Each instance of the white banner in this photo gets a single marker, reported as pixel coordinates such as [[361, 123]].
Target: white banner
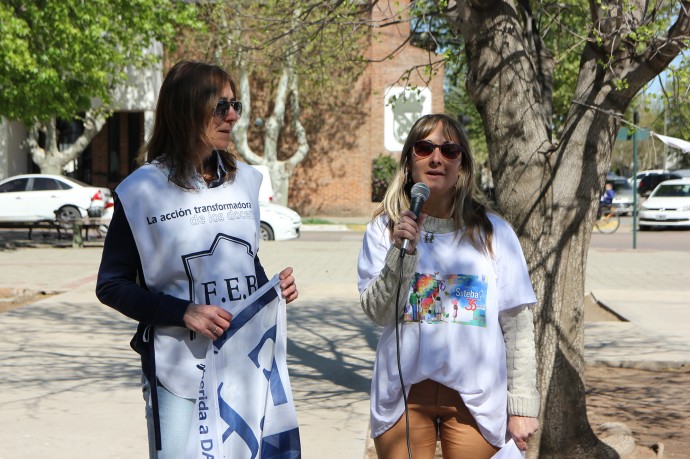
[[509, 451], [682, 145], [244, 408]]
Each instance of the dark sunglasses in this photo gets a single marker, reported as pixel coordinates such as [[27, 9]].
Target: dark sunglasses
[[223, 108], [424, 149]]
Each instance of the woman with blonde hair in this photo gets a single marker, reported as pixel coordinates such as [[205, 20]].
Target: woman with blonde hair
[[469, 377]]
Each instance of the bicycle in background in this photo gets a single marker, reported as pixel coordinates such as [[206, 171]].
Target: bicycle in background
[[608, 220]]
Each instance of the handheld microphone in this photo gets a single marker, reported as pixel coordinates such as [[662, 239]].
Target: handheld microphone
[[419, 194]]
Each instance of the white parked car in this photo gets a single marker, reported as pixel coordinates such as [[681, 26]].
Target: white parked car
[[668, 205], [266, 189], [278, 222], [33, 197]]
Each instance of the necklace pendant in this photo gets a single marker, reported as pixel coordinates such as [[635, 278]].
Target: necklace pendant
[[429, 238]]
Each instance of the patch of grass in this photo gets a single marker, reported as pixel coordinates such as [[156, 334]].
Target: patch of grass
[[316, 221]]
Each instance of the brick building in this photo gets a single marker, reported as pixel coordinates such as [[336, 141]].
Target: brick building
[[336, 178]]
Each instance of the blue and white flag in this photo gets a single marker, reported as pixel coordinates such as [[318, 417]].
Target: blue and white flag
[[244, 407]]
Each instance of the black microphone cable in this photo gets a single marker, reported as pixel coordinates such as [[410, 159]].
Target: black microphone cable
[[397, 348], [418, 195]]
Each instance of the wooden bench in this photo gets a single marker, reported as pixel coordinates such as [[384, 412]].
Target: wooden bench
[[45, 224], [62, 226]]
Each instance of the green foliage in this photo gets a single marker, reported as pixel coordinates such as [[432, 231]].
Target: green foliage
[[316, 221], [669, 109], [675, 94], [565, 29], [382, 171], [57, 55], [458, 103]]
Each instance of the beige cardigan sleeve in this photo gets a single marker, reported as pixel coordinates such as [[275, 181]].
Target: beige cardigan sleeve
[[378, 299], [517, 325]]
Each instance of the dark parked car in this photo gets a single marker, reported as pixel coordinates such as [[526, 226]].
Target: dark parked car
[[646, 184]]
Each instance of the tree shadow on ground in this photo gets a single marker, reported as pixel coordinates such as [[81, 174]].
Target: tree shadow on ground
[[331, 349], [55, 347], [52, 347]]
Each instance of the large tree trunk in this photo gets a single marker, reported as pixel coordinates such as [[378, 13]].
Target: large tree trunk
[[549, 188]]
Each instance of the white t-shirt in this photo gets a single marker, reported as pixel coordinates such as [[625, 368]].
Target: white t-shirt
[[450, 331], [198, 245]]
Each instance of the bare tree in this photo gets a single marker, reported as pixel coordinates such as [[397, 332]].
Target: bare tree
[[278, 50], [288, 85], [280, 170]]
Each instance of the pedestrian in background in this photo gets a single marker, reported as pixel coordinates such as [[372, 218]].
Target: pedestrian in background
[[470, 376], [606, 199], [183, 240]]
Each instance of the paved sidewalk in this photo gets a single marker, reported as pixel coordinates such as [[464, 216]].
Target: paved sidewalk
[[651, 291], [69, 382]]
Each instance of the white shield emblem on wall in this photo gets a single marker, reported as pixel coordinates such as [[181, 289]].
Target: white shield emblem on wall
[[402, 107]]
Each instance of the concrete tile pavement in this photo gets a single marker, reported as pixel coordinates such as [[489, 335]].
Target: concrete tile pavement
[[650, 289], [69, 382], [330, 344]]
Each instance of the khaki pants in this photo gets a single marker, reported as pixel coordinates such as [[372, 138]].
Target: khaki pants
[[433, 406]]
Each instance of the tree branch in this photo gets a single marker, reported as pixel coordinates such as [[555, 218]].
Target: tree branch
[[276, 121], [31, 143], [300, 132], [242, 125], [662, 52], [638, 68], [93, 123]]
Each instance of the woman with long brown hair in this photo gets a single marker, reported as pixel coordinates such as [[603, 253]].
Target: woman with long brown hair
[[182, 242]]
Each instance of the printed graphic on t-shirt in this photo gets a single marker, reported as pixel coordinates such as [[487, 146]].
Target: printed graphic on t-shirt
[[451, 299]]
